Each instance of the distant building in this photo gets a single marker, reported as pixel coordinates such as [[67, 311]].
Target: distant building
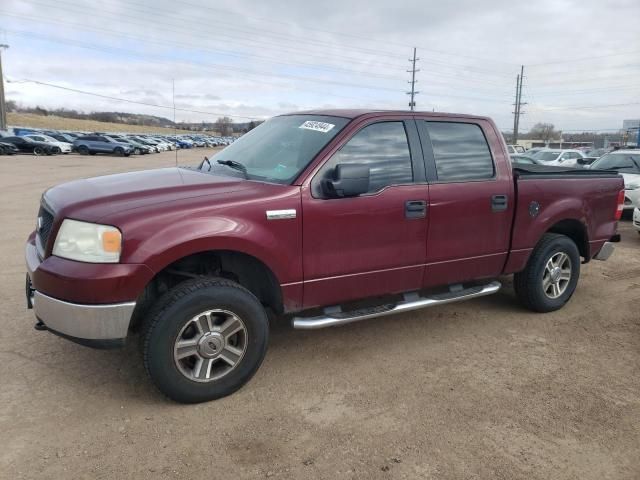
[[627, 124]]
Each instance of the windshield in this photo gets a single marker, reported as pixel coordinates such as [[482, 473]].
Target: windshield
[[624, 162], [280, 148], [546, 156]]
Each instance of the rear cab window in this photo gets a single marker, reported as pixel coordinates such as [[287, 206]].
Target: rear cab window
[[460, 151]]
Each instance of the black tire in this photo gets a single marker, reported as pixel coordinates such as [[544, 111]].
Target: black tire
[[175, 310], [528, 284], [136, 151], [83, 150], [38, 151], [56, 150], [119, 151]]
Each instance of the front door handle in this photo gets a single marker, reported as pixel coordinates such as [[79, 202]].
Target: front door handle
[[415, 209], [499, 203]]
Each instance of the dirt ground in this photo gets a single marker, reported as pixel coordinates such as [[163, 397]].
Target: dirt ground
[[475, 390]]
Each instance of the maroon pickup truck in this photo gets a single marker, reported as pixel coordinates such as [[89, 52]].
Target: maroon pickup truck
[[327, 217]]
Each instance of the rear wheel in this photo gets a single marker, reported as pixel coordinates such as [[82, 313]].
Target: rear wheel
[[551, 275], [204, 340]]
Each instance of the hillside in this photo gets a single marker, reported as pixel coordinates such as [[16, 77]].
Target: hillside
[[59, 123]]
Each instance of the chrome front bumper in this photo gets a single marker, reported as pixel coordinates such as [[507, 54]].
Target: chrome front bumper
[[100, 326]]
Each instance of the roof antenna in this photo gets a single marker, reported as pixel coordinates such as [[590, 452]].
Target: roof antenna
[[175, 127]]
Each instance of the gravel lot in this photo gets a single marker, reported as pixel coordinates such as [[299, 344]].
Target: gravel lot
[[482, 389]]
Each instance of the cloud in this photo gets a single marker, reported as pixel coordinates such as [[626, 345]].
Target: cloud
[[257, 59]]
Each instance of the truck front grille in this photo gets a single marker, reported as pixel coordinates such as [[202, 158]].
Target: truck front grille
[[44, 226]]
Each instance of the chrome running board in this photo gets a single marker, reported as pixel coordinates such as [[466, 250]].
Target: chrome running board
[[334, 316]]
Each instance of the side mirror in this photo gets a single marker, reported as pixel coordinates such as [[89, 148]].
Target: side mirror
[[349, 180]]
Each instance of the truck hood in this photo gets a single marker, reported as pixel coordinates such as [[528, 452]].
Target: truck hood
[[94, 198]]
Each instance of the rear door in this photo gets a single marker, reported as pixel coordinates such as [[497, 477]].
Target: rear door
[[471, 200], [373, 244]]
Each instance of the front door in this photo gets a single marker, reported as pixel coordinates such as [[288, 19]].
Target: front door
[[373, 244]]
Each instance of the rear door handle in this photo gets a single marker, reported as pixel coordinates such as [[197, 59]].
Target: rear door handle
[[415, 209], [499, 203]]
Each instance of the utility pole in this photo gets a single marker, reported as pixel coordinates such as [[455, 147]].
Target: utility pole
[[514, 140], [518, 105], [3, 103], [413, 81]]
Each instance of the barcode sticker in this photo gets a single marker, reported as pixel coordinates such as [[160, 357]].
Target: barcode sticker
[[317, 126]]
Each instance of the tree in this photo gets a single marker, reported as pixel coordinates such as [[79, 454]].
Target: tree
[[545, 132], [223, 126]]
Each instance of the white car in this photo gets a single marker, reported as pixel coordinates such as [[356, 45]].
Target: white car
[[627, 163], [562, 158], [65, 147], [636, 219], [515, 149], [163, 144]]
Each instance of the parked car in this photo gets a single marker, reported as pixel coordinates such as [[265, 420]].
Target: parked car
[[8, 148], [303, 217], [523, 160], [515, 149], [137, 148], [58, 146], [627, 162], [533, 150], [180, 143], [636, 219], [62, 137], [92, 144], [27, 145], [153, 148], [564, 158], [591, 155]]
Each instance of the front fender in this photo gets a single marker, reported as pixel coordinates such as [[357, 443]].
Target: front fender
[[276, 244]]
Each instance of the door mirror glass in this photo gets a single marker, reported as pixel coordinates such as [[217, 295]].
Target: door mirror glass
[[348, 180]]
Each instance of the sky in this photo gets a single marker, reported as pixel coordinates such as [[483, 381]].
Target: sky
[[253, 59]]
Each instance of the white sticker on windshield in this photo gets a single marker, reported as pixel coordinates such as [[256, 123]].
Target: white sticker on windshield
[[317, 126]]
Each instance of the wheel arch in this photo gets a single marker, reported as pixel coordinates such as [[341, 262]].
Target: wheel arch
[[576, 230], [244, 268]]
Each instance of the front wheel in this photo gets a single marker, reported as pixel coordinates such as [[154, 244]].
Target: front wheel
[[204, 340], [551, 275], [119, 151]]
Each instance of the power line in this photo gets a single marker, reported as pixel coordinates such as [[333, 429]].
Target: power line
[[148, 104], [369, 39], [585, 107], [218, 67], [582, 59]]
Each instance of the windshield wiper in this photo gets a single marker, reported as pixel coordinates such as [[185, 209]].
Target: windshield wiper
[[235, 165], [205, 160]]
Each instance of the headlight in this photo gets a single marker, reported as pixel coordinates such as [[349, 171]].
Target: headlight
[[88, 242]]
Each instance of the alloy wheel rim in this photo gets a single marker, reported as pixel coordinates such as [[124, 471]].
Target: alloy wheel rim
[[210, 345], [557, 275]]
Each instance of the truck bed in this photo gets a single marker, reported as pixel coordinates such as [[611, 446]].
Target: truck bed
[[550, 171]]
